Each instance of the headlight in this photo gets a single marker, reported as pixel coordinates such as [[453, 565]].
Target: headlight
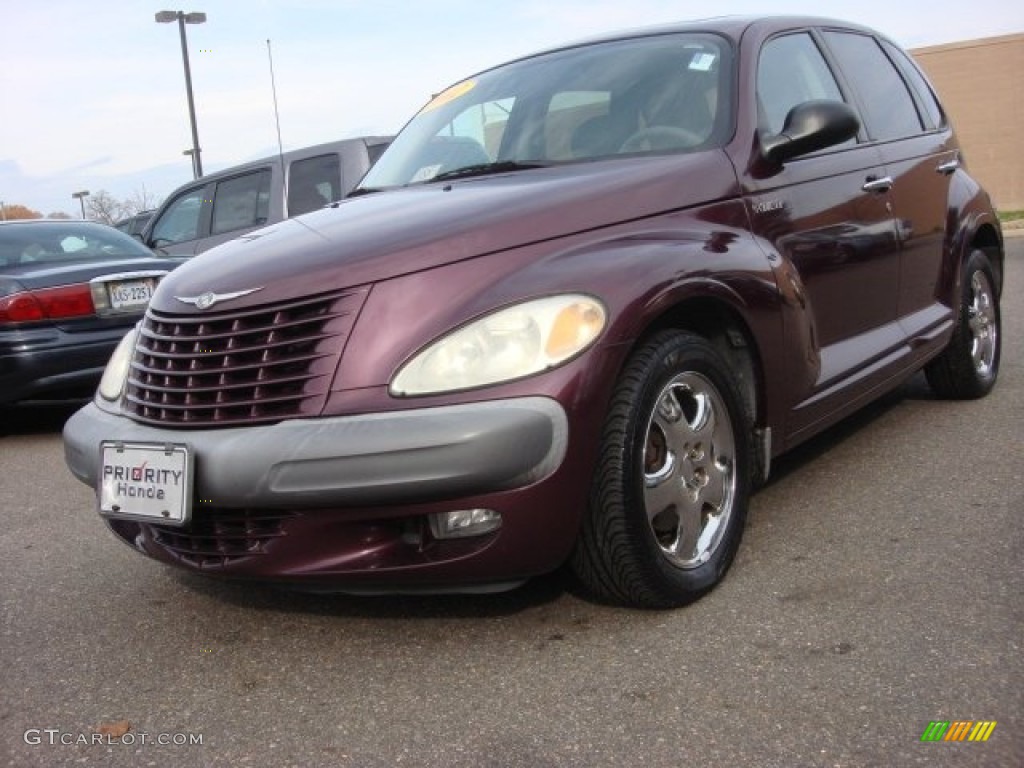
[[508, 344], [116, 372]]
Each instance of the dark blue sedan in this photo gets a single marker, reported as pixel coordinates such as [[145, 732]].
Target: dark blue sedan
[[69, 290]]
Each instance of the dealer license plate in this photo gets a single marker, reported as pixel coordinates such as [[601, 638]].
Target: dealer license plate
[[146, 481], [130, 294]]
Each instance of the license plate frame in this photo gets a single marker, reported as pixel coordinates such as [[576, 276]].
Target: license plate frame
[[141, 290], [146, 481]]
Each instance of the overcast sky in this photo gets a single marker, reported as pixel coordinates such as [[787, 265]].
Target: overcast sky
[[93, 93]]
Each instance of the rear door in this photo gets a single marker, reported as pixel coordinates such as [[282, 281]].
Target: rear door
[[240, 204], [920, 155]]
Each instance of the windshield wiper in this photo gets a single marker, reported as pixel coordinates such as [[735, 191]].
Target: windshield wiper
[[482, 169], [359, 192]]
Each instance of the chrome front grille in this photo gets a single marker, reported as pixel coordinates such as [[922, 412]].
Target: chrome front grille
[[259, 364]]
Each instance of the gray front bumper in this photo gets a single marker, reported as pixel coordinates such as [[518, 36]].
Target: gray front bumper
[[370, 459]]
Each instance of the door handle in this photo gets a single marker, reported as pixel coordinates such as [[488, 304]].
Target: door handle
[[874, 184], [949, 166]]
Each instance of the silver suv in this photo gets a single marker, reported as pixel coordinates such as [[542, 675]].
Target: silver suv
[[221, 206]]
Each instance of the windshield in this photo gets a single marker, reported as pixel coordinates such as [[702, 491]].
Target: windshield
[[664, 93]]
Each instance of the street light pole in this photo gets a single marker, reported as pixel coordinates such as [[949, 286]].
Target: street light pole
[[165, 17], [80, 196], [191, 155]]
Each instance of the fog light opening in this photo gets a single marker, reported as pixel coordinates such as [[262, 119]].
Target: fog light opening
[[461, 523]]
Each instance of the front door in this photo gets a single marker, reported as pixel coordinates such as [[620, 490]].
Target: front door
[[828, 215]]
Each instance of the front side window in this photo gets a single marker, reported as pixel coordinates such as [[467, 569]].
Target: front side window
[[889, 111], [180, 220], [791, 70], [665, 93], [241, 202]]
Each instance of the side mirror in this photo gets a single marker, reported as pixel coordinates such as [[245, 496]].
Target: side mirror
[[811, 126]]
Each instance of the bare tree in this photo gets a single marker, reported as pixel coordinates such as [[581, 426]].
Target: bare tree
[[102, 206], [140, 200]]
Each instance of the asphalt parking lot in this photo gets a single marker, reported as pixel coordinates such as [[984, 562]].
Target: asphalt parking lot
[[879, 588]]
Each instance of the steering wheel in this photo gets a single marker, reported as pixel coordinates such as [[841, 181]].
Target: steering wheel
[[658, 137]]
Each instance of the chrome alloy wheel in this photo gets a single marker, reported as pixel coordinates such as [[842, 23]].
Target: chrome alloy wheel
[[689, 470], [984, 327]]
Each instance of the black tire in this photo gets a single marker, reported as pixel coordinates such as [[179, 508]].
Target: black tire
[[967, 368], [688, 461]]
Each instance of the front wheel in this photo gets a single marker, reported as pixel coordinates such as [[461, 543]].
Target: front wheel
[[669, 498], [968, 367]]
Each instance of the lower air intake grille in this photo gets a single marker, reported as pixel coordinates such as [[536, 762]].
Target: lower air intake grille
[[217, 537]]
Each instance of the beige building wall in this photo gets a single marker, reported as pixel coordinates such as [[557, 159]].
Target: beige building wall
[[981, 85]]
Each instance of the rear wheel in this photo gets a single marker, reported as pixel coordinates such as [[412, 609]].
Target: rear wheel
[[669, 499], [968, 367]]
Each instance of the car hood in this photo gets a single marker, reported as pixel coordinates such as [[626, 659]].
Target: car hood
[[387, 234]]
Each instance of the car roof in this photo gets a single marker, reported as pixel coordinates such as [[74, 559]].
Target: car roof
[[290, 155], [64, 222], [732, 27]]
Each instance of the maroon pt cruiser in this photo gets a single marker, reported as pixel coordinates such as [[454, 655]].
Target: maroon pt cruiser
[[571, 315]]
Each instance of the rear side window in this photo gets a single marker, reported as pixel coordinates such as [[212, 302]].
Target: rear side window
[[934, 117], [241, 202], [374, 151], [313, 183], [791, 71], [889, 111]]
